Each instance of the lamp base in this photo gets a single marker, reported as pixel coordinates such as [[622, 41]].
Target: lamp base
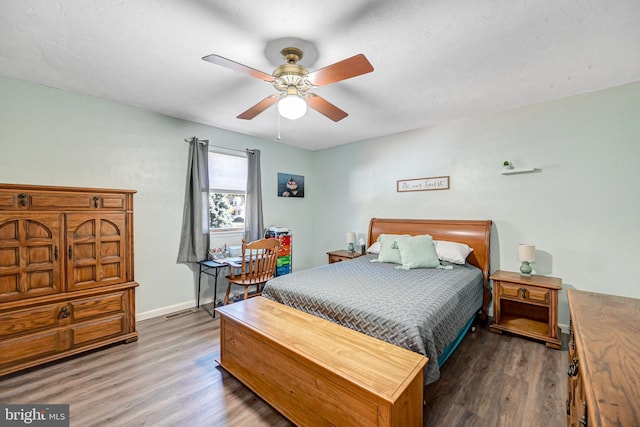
[[351, 248], [525, 268]]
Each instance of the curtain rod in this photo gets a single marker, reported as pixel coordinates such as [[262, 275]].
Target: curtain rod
[[204, 141]]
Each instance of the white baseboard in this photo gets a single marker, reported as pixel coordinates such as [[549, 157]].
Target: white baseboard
[[170, 309], [564, 328]]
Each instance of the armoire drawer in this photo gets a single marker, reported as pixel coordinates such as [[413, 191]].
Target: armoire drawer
[[27, 321], [43, 200], [33, 346], [89, 332], [100, 305]]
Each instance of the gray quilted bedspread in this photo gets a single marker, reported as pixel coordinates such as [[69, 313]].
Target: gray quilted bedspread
[[421, 310]]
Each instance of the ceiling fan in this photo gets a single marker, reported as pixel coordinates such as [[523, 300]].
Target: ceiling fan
[[294, 82]]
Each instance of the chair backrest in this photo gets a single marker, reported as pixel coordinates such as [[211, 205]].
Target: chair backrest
[[261, 258]]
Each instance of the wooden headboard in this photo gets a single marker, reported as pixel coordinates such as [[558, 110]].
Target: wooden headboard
[[474, 233]]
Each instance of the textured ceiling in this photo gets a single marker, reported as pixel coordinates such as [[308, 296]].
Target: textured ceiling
[[434, 60]]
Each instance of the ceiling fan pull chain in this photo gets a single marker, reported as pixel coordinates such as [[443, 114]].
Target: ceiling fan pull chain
[[278, 115]]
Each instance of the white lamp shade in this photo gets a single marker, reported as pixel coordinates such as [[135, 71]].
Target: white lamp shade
[[292, 107], [526, 253], [351, 237]]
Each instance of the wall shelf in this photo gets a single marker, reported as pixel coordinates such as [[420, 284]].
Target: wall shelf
[[517, 171]]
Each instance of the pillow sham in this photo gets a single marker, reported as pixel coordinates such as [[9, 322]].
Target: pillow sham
[[375, 248], [452, 252], [389, 251], [417, 252]]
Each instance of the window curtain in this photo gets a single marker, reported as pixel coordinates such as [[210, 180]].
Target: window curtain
[[253, 224], [194, 238]]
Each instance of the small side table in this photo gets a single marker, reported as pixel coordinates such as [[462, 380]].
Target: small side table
[[527, 306], [342, 255], [210, 268]]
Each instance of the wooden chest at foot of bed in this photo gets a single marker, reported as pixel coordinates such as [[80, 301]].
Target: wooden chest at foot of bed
[[316, 372]]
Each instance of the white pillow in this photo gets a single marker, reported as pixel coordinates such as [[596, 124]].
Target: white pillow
[[453, 252], [375, 248]]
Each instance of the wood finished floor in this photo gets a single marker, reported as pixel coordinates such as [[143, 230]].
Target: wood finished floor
[[170, 378]]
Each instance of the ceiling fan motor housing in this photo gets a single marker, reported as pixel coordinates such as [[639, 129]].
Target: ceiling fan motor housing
[[291, 74]]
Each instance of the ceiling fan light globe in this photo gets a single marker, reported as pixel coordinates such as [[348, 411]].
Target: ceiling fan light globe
[[292, 107]]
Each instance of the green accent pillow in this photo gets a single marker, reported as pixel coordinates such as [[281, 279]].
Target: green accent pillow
[[418, 252], [389, 251]]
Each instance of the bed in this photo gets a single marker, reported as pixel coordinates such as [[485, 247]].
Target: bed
[[427, 311]]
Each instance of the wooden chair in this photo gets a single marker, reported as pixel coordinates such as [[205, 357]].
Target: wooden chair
[[257, 266]]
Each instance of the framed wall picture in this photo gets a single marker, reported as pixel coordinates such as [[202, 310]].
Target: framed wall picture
[[290, 185]]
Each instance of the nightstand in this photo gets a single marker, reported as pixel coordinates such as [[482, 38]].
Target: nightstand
[[526, 305], [342, 255]]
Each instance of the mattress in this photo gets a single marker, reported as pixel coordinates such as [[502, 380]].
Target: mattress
[[421, 310]]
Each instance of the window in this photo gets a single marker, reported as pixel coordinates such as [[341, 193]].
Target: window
[[227, 191]]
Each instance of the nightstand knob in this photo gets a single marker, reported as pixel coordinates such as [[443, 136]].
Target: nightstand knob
[[524, 292]]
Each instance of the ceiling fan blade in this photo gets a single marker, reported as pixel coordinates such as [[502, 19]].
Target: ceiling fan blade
[[324, 107], [259, 107], [345, 69], [238, 68]]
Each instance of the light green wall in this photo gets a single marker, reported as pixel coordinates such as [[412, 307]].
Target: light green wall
[[52, 137], [582, 211]]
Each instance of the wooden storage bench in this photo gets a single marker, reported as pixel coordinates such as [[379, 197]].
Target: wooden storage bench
[[316, 372]]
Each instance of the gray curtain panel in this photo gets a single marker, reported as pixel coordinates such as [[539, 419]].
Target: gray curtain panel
[[253, 224], [194, 239]]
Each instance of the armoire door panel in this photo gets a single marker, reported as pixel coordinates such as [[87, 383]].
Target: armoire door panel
[[29, 255], [96, 250]]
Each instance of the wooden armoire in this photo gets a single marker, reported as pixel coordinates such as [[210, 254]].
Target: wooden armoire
[[66, 272]]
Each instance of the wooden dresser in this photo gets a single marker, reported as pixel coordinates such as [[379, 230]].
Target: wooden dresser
[[604, 360], [66, 272]]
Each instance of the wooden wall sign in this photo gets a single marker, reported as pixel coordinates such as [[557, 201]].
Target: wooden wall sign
[[423, 184]]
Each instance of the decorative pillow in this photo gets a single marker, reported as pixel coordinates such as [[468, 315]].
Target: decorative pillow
[[389, 251], [418, 252], [374, 249], [453, 252]]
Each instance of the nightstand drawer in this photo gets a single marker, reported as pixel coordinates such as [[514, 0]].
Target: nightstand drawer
[[525, 293], [334, 258], [341, 255]]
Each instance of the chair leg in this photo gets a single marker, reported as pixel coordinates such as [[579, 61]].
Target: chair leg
[[226, 295], [246, 292]]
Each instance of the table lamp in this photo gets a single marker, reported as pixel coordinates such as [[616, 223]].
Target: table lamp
[[351, 242], [526, 255]]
